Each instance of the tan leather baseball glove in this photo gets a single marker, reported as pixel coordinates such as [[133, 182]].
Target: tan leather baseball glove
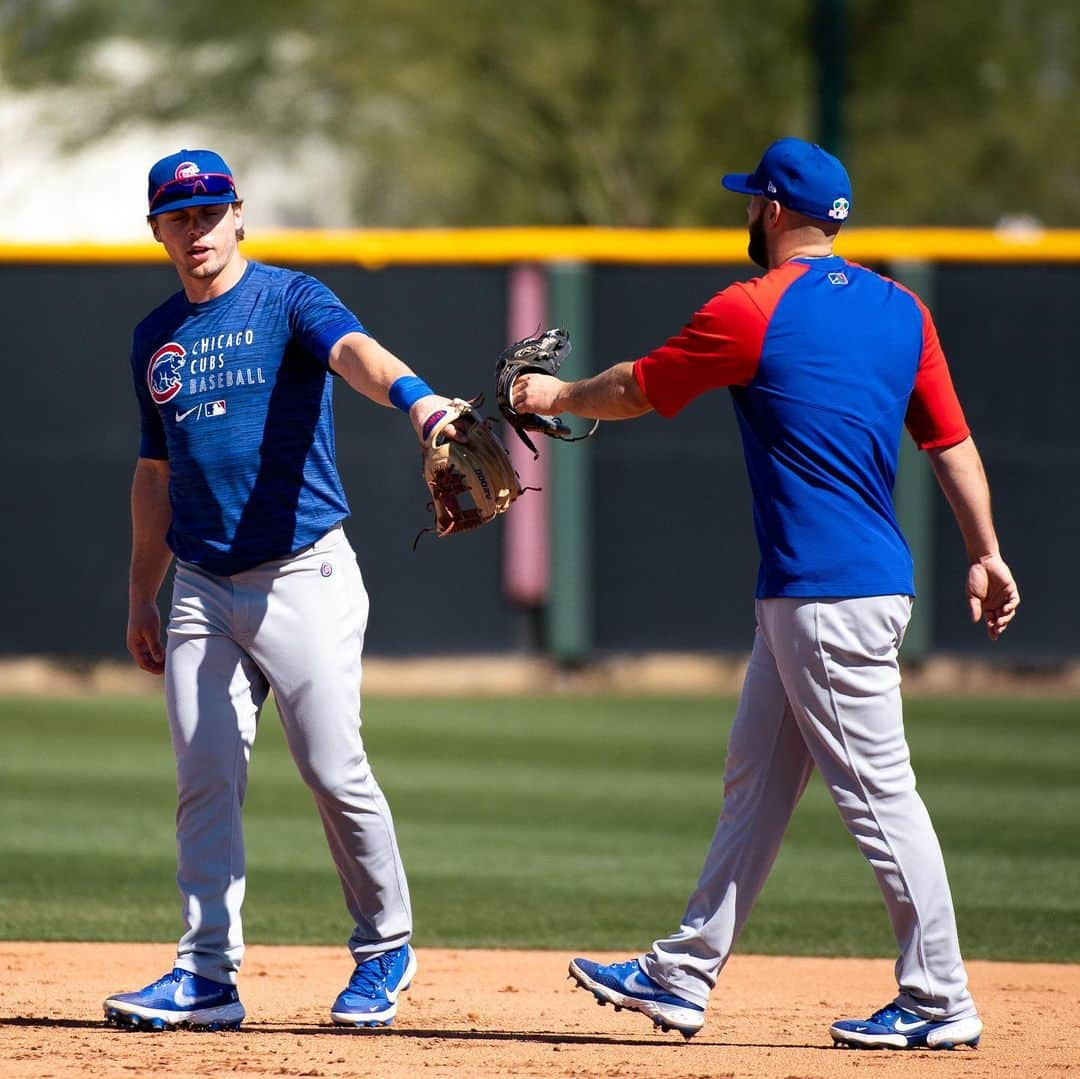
[[471, 482]]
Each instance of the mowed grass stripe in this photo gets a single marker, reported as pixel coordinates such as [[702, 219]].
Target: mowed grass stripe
[[558, 822]]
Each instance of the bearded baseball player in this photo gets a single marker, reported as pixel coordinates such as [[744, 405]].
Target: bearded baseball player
[[236, 477], [826, 362]]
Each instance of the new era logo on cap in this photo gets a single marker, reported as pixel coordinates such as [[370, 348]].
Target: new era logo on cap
[[800, 176]]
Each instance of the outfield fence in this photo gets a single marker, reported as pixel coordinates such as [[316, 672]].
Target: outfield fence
[[642, 537]]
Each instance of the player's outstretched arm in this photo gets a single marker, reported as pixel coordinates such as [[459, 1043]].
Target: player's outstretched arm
[[991, 591], [151, 515], [371, 369], [613, 394]]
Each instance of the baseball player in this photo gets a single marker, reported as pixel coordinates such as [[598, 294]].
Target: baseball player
[[826, 362], [236, 477]]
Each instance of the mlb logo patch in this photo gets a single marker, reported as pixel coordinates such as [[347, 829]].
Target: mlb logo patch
[[838, 278], [840, 209], [214, 408]]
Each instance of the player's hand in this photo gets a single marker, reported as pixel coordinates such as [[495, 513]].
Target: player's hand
[[534, 392], [426, 412], [144, 637], [992, 594]]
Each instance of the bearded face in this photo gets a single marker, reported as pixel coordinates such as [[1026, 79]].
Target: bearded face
[[757, 248]]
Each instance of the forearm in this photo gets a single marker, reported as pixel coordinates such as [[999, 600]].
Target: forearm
[[960, 474], [613, 394], [371, 370], [367, 367], [151, 516]]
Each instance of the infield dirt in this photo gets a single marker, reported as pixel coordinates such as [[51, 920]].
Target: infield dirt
[[501, 1013]]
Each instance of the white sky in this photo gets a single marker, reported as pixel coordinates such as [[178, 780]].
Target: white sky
[[99, 193]]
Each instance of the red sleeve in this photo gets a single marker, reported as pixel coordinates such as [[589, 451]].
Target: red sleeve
[[934, 418], [720, 346]]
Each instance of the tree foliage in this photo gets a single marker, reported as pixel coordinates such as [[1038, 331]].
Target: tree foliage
[[966, 112], [605, 112]]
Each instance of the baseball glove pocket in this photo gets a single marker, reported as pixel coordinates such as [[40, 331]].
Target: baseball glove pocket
[[543, 354], [471, 482]]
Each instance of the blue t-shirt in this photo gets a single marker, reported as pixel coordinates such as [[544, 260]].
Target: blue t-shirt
[[236, 394]]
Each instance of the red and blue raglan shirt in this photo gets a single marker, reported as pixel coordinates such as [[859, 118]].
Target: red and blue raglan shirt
[[826, 362]]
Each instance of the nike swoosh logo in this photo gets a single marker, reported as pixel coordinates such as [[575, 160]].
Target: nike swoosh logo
[[181, 416], [903, 1027], [639, 985], [184, 999], [406, 980]]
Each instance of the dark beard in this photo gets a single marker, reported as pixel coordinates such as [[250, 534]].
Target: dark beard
[[757, 249]]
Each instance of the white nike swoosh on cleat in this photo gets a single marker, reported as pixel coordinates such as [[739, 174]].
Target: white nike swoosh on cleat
[[637, 983], [406, 980], [903, 1027]]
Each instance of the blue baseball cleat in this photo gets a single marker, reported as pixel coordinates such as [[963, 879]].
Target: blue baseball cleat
[[370, 999], [179, 999], [626, 985], [896, 1028]]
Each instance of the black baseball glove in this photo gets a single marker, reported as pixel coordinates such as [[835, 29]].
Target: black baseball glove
[[543, 353]]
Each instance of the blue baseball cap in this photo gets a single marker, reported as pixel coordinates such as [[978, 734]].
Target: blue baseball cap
[[801, 176], [189, 178]]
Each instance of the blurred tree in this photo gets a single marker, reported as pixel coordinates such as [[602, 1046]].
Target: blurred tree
[[965, 113], [460, 112], [607, 112]]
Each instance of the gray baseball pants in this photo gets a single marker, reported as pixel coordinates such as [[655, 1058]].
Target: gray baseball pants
[[294, 626], [823, 688]]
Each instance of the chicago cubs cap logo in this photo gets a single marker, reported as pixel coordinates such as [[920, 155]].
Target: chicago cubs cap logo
[[163, 376], [186, 169], [840, 208]]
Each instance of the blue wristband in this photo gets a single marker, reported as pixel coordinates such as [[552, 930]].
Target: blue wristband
[[407, 390]]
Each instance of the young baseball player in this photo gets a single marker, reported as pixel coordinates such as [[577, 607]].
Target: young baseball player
[[826, 362], [236, 478]]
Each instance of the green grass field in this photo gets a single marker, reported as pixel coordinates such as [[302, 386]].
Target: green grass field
[[570, 823]]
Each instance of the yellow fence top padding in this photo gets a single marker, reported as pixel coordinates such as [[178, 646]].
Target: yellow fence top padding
[[375, 248]]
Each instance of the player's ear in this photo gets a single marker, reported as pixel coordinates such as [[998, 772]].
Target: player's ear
[[238, 217], [773, 212], [153, 223]]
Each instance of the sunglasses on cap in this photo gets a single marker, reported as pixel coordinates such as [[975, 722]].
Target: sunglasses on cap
[[201, 183]]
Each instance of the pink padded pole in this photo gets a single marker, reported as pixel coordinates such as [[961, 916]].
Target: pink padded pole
[[526, 560]]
